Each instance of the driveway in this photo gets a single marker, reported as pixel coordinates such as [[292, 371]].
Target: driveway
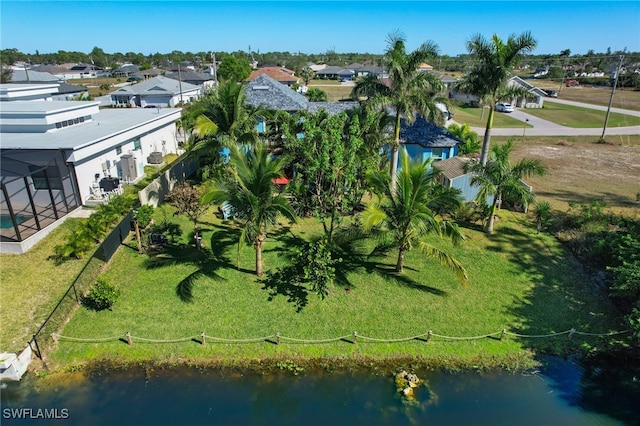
[[542, 127]]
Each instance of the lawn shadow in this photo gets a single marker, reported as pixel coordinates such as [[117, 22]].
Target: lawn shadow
[[285, 282], [207, 260]]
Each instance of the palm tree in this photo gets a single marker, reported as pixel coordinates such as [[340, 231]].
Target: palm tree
[[253, 196], [409, 90], [409, 211], [495, 61], [499, 178], [470, 141], [226, 119], [542, 214]]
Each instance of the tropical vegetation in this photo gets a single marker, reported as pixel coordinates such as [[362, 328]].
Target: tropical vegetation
[[410, 91], [501, 181], [494, 63]]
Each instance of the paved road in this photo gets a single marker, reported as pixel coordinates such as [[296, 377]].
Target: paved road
[[542, 127]]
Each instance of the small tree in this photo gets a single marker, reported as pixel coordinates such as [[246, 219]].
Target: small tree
[[316, 95], [542, 214], [101, 296], [186, 199], [471, 141]]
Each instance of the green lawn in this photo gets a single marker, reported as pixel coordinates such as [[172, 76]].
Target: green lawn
[[579, 117], [520, 281], [473, 116]]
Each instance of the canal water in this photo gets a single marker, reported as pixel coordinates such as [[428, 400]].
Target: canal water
[[560, 393]]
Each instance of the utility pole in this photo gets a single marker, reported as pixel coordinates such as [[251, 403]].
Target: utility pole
[[613, 91], [215, 69], [180, 85]]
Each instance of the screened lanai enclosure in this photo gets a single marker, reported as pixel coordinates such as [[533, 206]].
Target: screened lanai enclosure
[[38, 189]]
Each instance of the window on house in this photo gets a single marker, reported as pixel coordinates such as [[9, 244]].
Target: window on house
[[118, 150], [136, 145]]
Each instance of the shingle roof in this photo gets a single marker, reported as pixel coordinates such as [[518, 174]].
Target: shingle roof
[[190, 76], [156, 86], [332, 107], [20, 76], [277, 73], [266, 92], [426, 134], [453, 167], [334, 70]]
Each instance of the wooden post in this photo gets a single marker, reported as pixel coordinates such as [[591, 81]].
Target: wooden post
[[128, 338], [355, 336], [137, 229], [429, 334], [202, 338], [502, 334], [277, 338], [571, 332]]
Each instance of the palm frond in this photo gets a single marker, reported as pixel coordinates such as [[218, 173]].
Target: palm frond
[[446, 260]]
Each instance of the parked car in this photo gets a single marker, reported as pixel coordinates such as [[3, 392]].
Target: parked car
[[551, 93], [503, 107]]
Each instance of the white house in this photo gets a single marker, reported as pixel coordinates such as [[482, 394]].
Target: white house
[[156, 92], [55, 156]]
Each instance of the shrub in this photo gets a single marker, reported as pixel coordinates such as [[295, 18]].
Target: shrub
[[101, 296], [144, 215]]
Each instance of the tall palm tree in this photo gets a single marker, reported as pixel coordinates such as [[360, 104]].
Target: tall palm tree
[[409, 90], [499, 178], [226, 118], [494, 64], [409, 211], [253, 196]]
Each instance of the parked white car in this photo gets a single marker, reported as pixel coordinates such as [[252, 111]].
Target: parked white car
[[502, 107]]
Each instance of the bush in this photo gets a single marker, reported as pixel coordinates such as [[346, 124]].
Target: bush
[[101, 296], [144, 215]]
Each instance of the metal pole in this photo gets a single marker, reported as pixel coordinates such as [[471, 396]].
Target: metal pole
[[613, 91], [180, 85]]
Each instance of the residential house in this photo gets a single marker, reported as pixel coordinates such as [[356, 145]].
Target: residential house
[[57, 156], [156, 92], [335, 73], [269, 94], [202, 79], [279, 74], [537, 95], [424, 139], [31, 76], [126, 70], [84, 71]]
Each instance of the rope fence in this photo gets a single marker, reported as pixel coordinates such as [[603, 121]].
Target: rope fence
[[352, 338]]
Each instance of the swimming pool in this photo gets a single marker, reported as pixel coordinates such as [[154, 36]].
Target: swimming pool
[[6, 223]]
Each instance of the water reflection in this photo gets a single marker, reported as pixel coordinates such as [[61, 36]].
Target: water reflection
[[561, 393]]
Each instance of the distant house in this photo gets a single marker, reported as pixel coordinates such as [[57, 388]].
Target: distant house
[[84, 71], [55, 155], [536, 93], [280, 74], [202, 79], [156, 92], [335, 73], [126, 70]]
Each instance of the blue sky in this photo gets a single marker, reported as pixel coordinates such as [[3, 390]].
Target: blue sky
[[311, 26]]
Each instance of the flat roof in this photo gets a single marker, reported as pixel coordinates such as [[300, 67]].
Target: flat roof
[[41, 107], [106, 123]]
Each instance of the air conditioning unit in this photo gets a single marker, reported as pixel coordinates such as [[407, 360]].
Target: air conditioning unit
[[155, 158], [128, 166]]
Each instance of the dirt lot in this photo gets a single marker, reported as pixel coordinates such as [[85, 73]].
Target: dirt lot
[[580, 170]]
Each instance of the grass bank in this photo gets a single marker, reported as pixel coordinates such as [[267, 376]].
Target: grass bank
[[520, 281], [477, 117], [580, 117]]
